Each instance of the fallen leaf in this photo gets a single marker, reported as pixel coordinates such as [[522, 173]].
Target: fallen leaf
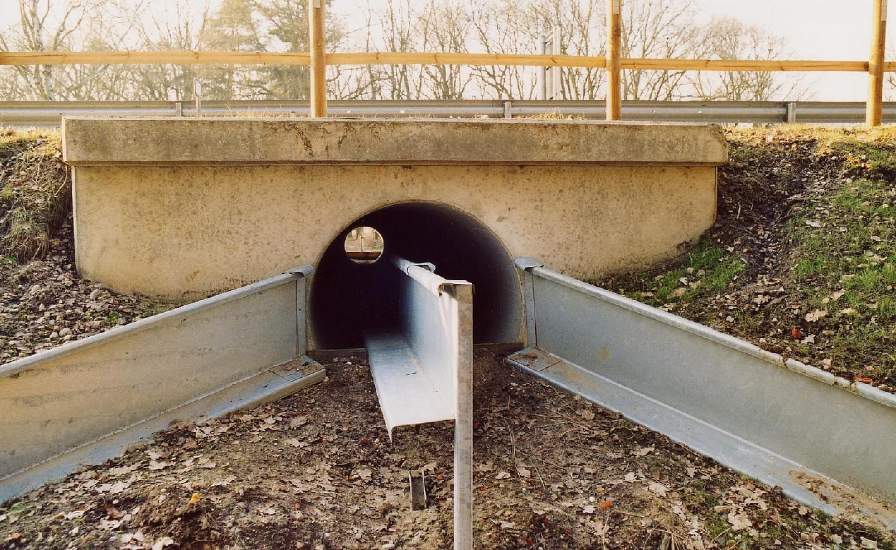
[[158, 465], [605, 504], [739, 521], [128, 538], [194, 499], [523, 472], [643, 451], [587, 414], [502, 475], [363, 474], [162, 543], [224, 481], [630, 477], [114, 488], [110, 524], [113, 513], [588, 509], [816, 315], [658, 489], [298, 421], [815, 224]]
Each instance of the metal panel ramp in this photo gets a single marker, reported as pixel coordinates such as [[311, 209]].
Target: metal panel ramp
[[85, 402], [825, 441], [423, 370]]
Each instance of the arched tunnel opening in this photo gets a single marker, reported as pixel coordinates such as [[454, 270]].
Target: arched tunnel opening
[[349, 298]]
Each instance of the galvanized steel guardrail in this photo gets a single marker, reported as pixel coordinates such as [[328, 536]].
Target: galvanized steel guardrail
[[825, 441], [85, 401], [49, 113]]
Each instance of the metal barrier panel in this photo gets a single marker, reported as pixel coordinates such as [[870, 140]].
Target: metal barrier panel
[[424, 372], [50, 113], [778, 420], [72, 396]]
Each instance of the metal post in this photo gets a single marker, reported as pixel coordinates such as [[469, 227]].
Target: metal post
[[556, 83], [614, 37], [463, 423], [317, 42], [542, 71], [874, 114], [197, 95], [508, 109], [791, 112]]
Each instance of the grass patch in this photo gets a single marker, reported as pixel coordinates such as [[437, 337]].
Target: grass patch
[[707, 269], [802, 258]]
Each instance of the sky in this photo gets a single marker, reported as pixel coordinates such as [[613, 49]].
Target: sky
[[813, 29]]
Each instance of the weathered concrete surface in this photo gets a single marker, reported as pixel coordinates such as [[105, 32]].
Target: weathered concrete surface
[[181, 207], [334, 141]]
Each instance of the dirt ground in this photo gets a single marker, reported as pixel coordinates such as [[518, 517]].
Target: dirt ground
[[317, 470], [45, 303]]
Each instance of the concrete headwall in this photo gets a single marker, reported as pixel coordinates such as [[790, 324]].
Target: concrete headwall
[[181, 207]]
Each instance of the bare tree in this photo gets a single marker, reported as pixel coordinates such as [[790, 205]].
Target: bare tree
[[444, 27], [399, 34], [728, 38], [37, 32], [651, 29], [505, 26], [182, 31], [657, 29]]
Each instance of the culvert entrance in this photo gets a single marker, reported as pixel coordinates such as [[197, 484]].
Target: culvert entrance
[[348, 297]]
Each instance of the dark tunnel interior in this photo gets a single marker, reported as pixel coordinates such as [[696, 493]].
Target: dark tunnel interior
[[347, 298]]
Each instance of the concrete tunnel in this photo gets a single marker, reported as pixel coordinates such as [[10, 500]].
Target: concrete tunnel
[[348, 298]]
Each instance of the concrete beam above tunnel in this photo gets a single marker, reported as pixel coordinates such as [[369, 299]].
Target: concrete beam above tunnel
[[407, 142], [179, 208]]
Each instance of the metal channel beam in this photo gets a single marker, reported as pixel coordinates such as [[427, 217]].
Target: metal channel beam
[[84, 402], [825, 441], [424, 371]]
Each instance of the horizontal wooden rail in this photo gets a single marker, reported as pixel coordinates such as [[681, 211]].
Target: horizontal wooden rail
[[154, 58], [744, 65], [422, 58], [448, 58]]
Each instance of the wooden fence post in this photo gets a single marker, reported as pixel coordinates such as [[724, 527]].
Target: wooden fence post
[[874, 114], [614, 36], [317, 46]]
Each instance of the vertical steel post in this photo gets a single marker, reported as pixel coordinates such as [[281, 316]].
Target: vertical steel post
[[197, 95], [317, 43], [874, 114], [614, 80], [463, 423], [790, 117], [556, 84], [542, 71]]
